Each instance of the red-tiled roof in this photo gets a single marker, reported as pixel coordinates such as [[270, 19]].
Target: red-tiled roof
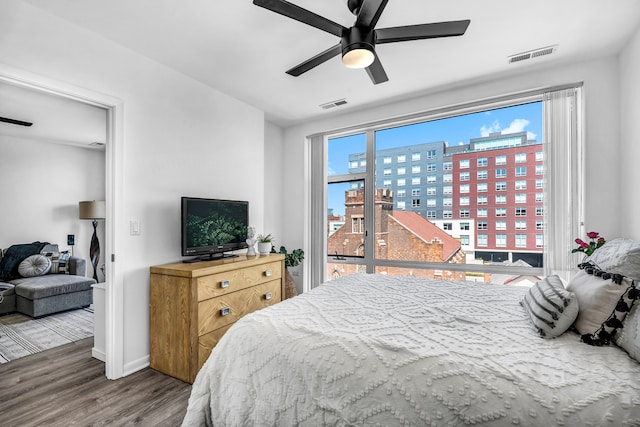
[[427, 231]]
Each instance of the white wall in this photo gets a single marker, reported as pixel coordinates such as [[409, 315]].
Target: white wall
[[629, 165], [180, 138], [602, 134], [275, 193], [41, 185]]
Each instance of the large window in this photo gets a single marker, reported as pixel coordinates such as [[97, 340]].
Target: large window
[[387, 236]]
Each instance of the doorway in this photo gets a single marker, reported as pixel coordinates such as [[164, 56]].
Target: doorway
[[108, 317]]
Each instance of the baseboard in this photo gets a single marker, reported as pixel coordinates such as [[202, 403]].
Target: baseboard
[[98, 354], [136, 365]]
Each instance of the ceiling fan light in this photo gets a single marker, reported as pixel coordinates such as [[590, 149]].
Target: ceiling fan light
[[358, 58]]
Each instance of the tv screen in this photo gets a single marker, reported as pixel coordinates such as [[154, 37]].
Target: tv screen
[[213, 226]]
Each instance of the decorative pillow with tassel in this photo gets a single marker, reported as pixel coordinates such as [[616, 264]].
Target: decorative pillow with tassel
[[605, 299]]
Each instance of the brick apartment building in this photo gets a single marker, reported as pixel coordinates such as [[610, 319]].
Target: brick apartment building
[[399, 235], [499, 182]]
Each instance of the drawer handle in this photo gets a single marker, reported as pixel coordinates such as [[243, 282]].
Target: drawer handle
[[267, 296], [268, 273], [225, 284], [225, 311]]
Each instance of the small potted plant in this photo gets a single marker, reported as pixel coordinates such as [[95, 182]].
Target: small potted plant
[[265, 243], [292, 259]]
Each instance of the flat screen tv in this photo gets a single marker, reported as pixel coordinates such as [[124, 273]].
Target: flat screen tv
[[213, 227]]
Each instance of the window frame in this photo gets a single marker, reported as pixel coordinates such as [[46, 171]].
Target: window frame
[[568, 97]]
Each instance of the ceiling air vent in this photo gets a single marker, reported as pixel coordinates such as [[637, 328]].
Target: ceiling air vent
[[333, 104], [532, 54], [97, 144]]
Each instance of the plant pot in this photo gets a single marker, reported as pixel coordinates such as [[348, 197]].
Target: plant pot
[[264, 248], [290, 289]]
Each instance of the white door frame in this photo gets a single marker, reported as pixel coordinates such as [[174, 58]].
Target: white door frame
[[114, 315]]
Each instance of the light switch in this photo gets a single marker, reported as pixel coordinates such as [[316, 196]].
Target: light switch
[[134, 226]]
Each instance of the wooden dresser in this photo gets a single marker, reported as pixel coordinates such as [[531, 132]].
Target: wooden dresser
[[193, 305]]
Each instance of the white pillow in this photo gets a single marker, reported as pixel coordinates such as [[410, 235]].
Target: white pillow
[[604, 303], [551, 308], [621, 256], [35, 265]]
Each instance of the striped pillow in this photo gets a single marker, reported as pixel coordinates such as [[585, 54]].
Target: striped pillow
[[551, 308]]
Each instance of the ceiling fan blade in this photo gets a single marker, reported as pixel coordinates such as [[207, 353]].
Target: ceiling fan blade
[[422, 31], [376, 72], [316, 60], [292, 11], [15, 122], [370, 12]]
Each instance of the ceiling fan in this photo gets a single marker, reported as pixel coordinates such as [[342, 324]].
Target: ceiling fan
[[15, 122], [357, 43]]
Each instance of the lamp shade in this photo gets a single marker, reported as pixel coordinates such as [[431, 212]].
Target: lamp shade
[[358, 48], [358, 58], [94, 209]]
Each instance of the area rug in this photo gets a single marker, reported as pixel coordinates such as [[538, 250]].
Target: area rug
[[22, 335]]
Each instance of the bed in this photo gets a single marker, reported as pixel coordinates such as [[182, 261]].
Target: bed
[[404, 351]]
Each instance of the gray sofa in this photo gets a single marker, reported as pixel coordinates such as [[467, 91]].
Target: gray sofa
[[48, 293]]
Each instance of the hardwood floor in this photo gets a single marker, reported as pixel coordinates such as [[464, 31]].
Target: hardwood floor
[[65, 386]]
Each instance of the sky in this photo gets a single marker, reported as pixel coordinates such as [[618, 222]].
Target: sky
[[454, 130]]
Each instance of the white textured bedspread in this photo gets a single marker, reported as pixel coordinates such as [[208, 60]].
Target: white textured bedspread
[[401, 351]]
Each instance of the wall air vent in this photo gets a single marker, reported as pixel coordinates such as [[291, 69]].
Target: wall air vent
[[532, 54], [332, 104]]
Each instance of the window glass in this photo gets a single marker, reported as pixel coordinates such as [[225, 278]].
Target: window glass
[[346, 153], [409, 161]]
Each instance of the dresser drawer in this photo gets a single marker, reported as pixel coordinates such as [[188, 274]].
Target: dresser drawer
[[206, 343], [231, 281], [217, 312]]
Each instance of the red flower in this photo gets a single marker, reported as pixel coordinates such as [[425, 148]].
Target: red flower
[[588, 248]]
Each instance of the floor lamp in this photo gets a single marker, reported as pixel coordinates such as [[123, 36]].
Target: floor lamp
[[93, 210]]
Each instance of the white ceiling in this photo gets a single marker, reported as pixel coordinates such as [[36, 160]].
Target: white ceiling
[[244, 50], [54, 118]]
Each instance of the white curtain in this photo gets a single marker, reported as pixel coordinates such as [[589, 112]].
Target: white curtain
[[316, 216], [564, 198]]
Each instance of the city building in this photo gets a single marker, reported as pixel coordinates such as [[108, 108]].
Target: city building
[[488, 194], [399, 235], [499, 182], [413, 173]]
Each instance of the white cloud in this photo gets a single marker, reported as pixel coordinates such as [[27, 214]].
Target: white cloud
[[517, 125], [493, 128]]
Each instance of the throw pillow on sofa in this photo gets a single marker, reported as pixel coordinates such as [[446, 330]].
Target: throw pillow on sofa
[[14, 255], [34, 265]]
